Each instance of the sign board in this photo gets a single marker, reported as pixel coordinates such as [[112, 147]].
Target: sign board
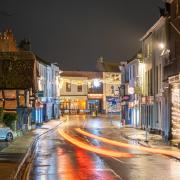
[[131, 90], [125, 98], [174, 79], [147, 100], [95, 96], [137, 90], [150, 99], [143, 100], [40, 94], [32, 98]]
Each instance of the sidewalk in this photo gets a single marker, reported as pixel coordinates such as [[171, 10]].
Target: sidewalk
[[11, 156], [139, 136]]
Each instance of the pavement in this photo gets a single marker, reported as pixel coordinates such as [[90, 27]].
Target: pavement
[[137, 135], [12, 155]]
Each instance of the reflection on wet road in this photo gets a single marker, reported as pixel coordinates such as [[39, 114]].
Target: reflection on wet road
[[57, 158], [91, 148]]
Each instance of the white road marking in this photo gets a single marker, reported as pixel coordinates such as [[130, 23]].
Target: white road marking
[[118, 160]]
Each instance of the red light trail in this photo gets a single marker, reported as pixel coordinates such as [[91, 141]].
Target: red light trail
[[92, 148]]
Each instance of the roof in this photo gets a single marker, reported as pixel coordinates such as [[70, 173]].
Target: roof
[[105, 66], [17, 55], [88, 74], [136, 56], [159, 22], [17, 70], [42, 60]]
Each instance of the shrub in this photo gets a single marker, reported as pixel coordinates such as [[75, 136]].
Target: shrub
[[1, 114], [9, 119]]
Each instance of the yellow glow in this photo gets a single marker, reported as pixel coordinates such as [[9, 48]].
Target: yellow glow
[[161, 45], [120, 144], [92, 148]]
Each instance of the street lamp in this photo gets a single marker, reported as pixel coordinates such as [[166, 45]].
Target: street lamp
[[96, 83], [161, 46]]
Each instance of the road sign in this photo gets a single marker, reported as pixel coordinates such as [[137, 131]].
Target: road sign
[[137, 90], [40, 94]]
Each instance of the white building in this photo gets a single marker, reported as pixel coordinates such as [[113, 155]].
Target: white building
[[48, 89], [74, 91], [111, 83], [135, 73]]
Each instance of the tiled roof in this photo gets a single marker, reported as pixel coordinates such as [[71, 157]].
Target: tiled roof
[[88, 74], [17, 70], [105, 66]]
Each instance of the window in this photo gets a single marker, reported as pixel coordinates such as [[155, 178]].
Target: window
[[134, 72], [68, 87], [157, 79], [130, 73], [160, 76], [79, 88]]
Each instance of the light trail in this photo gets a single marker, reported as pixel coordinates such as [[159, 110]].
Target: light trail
[[92, 148], [125, 145]]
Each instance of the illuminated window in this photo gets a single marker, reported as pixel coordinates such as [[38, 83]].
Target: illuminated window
[[79, 88], [68, 87]]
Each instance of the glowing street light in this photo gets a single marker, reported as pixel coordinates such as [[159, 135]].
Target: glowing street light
[[161, 45], [96, 83]]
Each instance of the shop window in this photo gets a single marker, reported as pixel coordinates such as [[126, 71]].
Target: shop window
[[79, 88], [68, 87]]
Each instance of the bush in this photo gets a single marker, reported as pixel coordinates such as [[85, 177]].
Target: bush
[[1, 114], [9, 119]]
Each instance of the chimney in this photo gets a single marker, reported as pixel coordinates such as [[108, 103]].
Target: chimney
[[25, 45]]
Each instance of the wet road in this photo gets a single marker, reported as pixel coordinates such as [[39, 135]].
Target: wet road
[[57, 158]]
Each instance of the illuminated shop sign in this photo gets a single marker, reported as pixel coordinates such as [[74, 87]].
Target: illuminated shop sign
[[131, 90], [125, 98], [95, 96], [175, 112], [147, 100], [174, 79]]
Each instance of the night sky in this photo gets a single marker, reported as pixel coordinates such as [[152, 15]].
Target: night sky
[[75, 33]]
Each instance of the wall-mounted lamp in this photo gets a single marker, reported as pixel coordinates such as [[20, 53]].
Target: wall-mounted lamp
[[161, 46]]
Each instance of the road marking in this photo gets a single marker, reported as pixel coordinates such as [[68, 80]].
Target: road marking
[[108, 169], [118, 160], [115, 174]]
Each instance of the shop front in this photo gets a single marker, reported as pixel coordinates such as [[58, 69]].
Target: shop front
[[73, 104], [112, 104], [174, 82], [147, 104], [175, 107], [124, 110], [134, 113], [175, 111], [95, 103]]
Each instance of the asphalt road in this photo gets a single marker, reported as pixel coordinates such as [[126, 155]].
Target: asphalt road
[[58, 158]]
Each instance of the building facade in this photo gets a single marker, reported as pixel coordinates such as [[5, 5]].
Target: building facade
[[27, 83], [73, 94], [135, 72], [171, 74], [86, 92], [81, 92], [48, 93], [111, 84]]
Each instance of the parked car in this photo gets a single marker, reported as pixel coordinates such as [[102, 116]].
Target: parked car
[[6, 134]]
